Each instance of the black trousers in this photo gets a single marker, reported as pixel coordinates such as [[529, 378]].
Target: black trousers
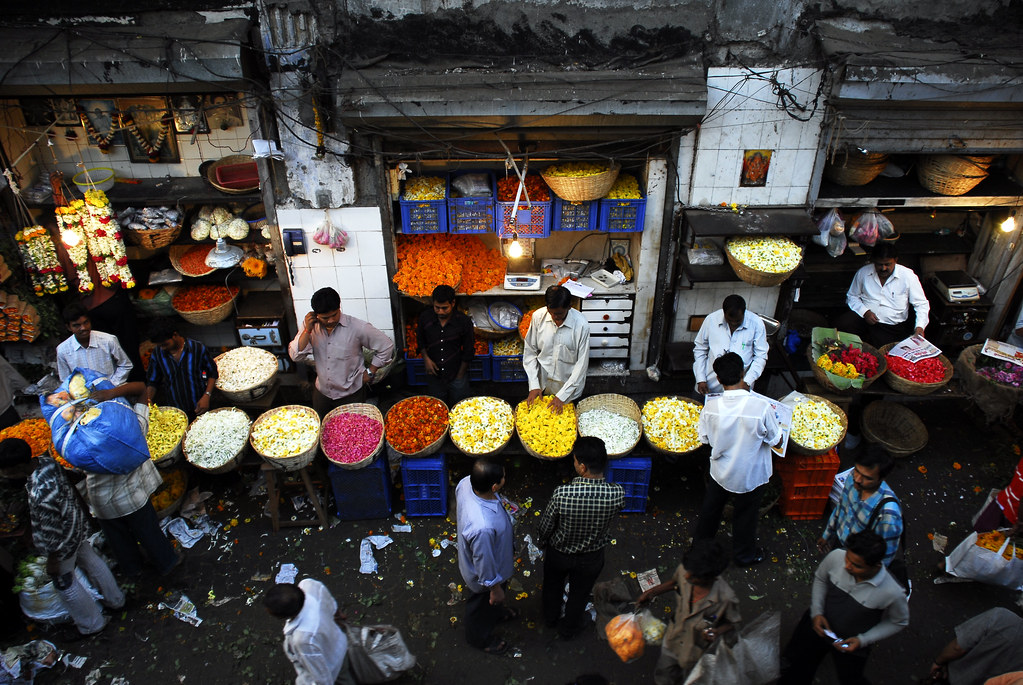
[[323, 404], [878, 334], [140, 528], [805, 651], [581, 571], [744, 519], [480, 618]]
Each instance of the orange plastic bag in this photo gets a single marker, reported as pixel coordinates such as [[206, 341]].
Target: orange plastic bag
[[625, 635]]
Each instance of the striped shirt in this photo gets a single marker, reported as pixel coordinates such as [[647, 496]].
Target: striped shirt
[[853, 514], [58, 520], [184, 379], [113, 495], [1008, 499], [579, 514], [103, 355]]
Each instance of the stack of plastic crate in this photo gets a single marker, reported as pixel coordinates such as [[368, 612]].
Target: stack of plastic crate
[[425, 481], [361, 493], [633, 473], [806, 484]]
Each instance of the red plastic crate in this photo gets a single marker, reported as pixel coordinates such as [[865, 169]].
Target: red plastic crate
[[804, 509], [792, 492]]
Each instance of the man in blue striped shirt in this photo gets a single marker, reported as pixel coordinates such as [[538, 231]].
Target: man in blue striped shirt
[[864, 490], [181, 367]]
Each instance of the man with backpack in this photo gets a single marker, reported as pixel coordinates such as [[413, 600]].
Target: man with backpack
[[867, 502]]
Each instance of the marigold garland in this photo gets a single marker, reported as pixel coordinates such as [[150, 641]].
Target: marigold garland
[[40, 257], [69, 223], [461, 261]]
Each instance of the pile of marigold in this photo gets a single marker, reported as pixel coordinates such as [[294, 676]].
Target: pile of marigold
[[36, 432], [461, 261], [415, 423]]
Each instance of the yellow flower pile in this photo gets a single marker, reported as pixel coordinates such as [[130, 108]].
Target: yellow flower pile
[[509, 347], [425, 188], [166, 428], [815, 425], [994, 540], [546, 433], [837, 368], [576, 169], [285, 432], [481, 424], [774, 255], [626, 187], [670, 423]]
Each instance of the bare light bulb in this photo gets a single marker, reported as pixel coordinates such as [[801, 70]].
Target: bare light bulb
[[1009, 225], [70, 238], [515, 249]]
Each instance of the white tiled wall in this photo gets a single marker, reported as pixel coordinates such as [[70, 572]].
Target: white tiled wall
[[359, 273], [742, 114], [707, 297]]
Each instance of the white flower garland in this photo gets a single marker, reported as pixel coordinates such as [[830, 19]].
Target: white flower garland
[[41, 261], [69, 221]]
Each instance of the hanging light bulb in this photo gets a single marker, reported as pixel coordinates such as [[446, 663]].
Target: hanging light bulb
[[515, 249], [70, 238], [1009, 225]]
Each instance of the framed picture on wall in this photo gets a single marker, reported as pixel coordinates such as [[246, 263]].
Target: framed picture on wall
[[65, 111], [101, 121], [149, 130], [188, 114], [223, 111], [755, 165]]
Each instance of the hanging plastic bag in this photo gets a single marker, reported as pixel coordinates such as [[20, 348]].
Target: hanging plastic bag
[[885, 229], [829, 224], [625, 635], [972, 561], [505, 315], [377, 653], [752, 660], [323, 231], [653, 627], [865, 229], [338, 237], [836, 244]]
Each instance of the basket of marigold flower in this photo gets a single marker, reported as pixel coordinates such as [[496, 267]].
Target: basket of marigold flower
[[416, 426]]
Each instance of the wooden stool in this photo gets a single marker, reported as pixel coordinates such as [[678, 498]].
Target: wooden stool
[[274, 490]]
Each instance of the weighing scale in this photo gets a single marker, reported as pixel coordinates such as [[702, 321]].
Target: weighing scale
[[523, 281], [956, 286]]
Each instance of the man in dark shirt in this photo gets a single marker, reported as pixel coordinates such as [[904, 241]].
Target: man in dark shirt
[[182, 367], [446, 342], [574, 532]]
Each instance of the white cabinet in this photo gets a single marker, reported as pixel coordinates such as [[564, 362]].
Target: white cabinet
[[610, 321]]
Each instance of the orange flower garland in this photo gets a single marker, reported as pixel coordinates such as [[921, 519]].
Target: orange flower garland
[[461, 261], [416, 423], [411, 341], [524, 323], [36, 432]]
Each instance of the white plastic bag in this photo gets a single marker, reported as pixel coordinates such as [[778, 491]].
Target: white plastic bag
[[836, 244], [322, 235], [753, 660], [831, 224], [377, 653], [46, 604], [653, 627], [973, 562]]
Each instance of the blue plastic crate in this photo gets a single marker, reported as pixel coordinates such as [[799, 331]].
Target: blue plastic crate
[[507, 369], [471, 214], [633, 473], [530, 221], [575, 216], [421, 218], [622, 216], [425, 481], [415, 371], [479, 368], [361, 493]]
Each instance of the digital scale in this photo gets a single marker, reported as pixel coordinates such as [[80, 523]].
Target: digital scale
[[525, 281], [956, 286]]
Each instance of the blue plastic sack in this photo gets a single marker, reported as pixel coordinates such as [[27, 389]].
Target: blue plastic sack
[[112, 442]]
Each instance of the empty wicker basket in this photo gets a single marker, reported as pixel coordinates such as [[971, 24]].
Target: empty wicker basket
[[896, 428], [951, 174], [850, 167]]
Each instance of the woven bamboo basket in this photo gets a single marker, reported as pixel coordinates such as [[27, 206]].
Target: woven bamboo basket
[[154, 238], [363, 410], [496, 450], [951, 174], [822, 376], [254, 391], [176, 252], [433, 446], [616, 404], [763, 279], [211, 174], [533, 452], [295, 461], [898, 429], [814, 452], [228, 465], [908, 387], [176, 504], [173, 455], [583, 188], [209, 317], [661, 450], [851, 167]]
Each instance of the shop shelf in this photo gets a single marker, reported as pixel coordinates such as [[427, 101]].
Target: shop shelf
[[471, 214], [415, 370], [425, 481], [622, 216], [633, 474], [362, 493], [575, 216]]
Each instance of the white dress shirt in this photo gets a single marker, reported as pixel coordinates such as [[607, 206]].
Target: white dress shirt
[[1013, 338], [749, 341], [555, 357], [740, 430], [103, 355], [314, 644], [889, 302]]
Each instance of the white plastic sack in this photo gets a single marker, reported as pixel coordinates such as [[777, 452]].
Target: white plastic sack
[[45, 603], [831, 224], [973, 562], [377, 654], [753, 660]]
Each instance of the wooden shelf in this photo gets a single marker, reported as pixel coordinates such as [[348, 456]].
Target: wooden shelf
[[993, 191], [170, 191], [750, 222]]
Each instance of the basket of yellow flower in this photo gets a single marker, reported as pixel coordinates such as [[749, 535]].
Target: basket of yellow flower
[[581, 181], [763, 261], [481, 426], [286, 437], [171, 493], [818, 425], [670, 424], [543, 433], [843, 363], [166, 432]]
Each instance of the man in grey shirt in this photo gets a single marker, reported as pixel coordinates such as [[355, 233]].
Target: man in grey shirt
[[987, 645], [855, 603]]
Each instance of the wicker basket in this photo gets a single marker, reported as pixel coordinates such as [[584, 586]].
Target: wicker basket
[[822, 376], [211, 174], [176, 504], [661, 450], [908, 387], [228, 465], [896, 428], [763, 279], [530, 451], [178, 251], [951, 174], [255, 390], [851, 167], [583, 188], [495, 451], [484, 334], [172, 456], [297, 461], [429, 449], [814, 452], [154, 238], [616, 404], [364, 410], [209, 317]]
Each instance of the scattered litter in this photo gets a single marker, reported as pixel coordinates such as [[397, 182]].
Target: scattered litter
[[183, 610], [93, 677], [939, 542], [22, 662], [287, 574], [194, 504], [648, 579], [435, 553], [299, 501], [456, 595], [72, 660], [260, 577], [941, 580], [119, 681], [756, 598], [222, 601], [445, 543], [534, 551], [369, 563], [401, 528], [178, 527]]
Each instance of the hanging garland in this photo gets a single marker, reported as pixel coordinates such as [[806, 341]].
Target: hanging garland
[[104, 141], [103, 236], [152, 150], [72, 234], [40, 257]]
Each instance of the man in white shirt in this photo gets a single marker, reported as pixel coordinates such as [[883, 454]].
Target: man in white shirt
[[313, 642], [740, 430], [1016, 334], [730, 329], [89, 349], [557, 350], [880, 297]]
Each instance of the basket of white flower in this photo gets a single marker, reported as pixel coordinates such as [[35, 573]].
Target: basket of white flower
[[818, 425], [215, 441], [763, 261], [287, 437], [245, 373], [615, 419]]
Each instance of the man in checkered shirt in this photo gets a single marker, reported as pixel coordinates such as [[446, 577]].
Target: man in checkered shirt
[[574, 532]]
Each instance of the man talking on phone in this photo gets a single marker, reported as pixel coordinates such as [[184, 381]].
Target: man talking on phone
[[335, 341]]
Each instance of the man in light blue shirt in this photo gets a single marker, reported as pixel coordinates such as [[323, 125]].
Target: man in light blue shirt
[[89, 349], [730, 329], [485, 553]]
